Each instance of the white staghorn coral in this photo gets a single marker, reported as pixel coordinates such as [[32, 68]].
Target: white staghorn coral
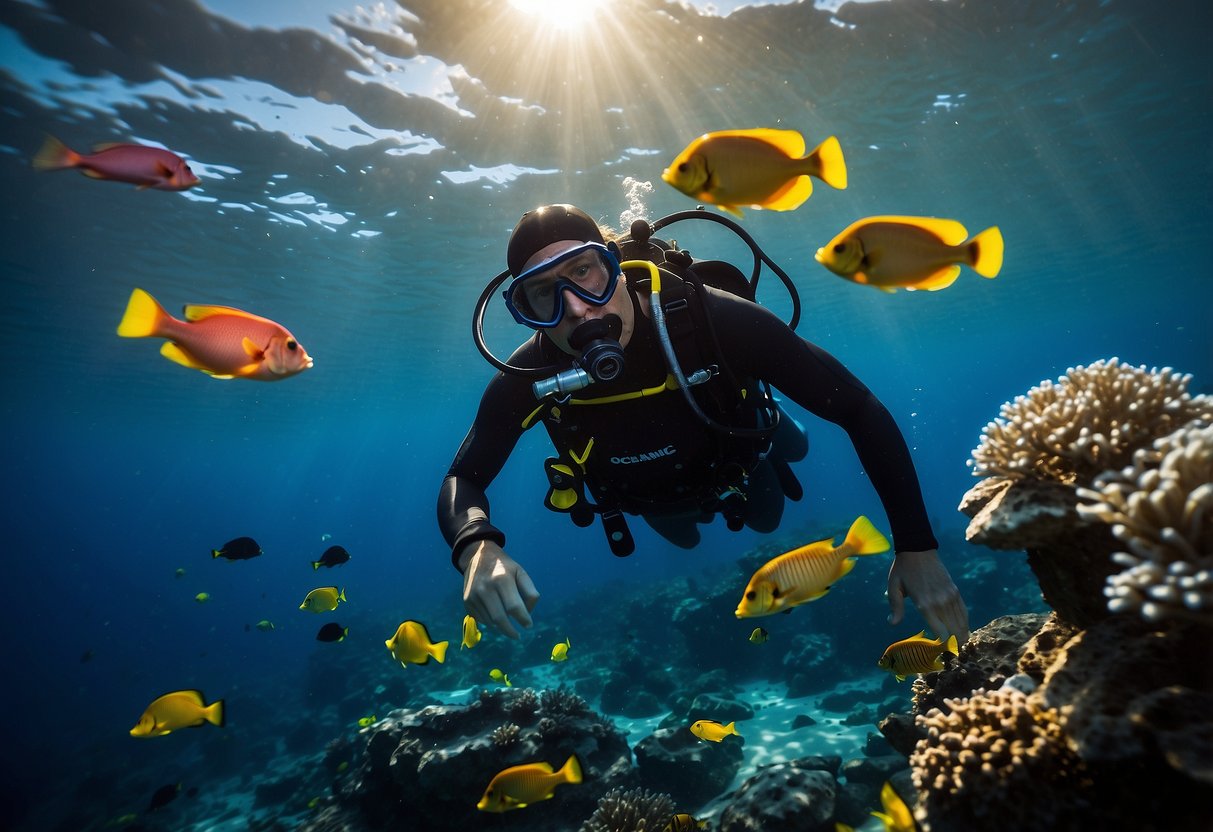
[[1161, 508], [1091, 420]]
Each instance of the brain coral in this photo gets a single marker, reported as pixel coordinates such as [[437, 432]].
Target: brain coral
[[1091, 420], [984, 765]]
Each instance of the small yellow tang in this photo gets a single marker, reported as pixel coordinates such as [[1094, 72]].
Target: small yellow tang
[[202, 597], [497, 675], [713, 731], [323, 599], [910, 253], [807, 573], [412, 645], [471, 633], [560, 652], [759, 168], [179, 709], [916, 654], [896, 816], [366, 721], [759, 636], [520, 786]]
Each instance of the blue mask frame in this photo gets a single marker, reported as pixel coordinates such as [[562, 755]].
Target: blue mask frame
[[529, 318]]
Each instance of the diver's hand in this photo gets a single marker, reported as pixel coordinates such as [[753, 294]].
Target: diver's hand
[[495, 588], [922, 577]]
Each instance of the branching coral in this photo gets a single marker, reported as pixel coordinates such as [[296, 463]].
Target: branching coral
[[524, 705], [1091, 420], [633, 810], [563, 701], [1161, 509], [985, 761], [505, 735]]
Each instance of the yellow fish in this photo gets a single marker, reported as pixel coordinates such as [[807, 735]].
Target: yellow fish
[[366, 721], [682, 822], [560, 652], [713, 731], [807, 573], [412, 645], [179, 709], [760, 168], [471, 633], [180, 573], [323, 599], [896, 816], [497, 676], [265, 625], [759, 636], [917, 654], [910, 253], [202, 597], [520, 786]]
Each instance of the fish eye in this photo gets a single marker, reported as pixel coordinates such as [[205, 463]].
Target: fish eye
[[839, 248], [751, 595], [683, 167], [775, 592], [291, 345]]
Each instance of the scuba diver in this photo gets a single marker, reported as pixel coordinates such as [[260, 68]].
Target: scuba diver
[[652, 373]]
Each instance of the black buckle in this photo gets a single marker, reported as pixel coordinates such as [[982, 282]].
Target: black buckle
[[615, 525]]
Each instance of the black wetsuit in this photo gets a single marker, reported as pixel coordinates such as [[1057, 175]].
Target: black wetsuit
[[654, 452]]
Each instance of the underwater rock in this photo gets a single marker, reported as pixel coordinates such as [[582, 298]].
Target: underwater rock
[[873, 770], [622, 695], [424, 769], [675, 761], [719, 706], [991, 654], [789, 795]]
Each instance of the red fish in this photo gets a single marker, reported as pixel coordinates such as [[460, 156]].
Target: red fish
[[146, 167], [218, 340]]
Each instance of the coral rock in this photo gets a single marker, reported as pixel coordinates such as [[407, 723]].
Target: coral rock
[[782, 796], [675, 761]]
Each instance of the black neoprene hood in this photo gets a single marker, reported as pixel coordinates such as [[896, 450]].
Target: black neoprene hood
[[547, 225]]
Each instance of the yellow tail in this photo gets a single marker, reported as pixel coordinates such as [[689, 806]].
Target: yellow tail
[[55, 155], [864, 539], [214, 713], [985, 252], [571, 770], [833, 168], [439, 651], [143, 316]]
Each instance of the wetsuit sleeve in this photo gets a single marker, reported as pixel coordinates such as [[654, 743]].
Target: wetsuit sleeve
[[463, 506], [760, 345]]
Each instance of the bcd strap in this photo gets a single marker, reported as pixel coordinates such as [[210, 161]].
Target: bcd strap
[[618, 537]]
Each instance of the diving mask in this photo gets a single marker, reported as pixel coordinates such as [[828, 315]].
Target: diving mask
[[536, 297]]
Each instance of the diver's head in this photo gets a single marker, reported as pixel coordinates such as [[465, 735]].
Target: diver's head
[[564, 275]]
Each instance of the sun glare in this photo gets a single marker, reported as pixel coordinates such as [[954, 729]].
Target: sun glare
[[564, 14]]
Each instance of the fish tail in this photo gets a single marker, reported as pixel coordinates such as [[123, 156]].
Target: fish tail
[[315, 565], [214, 552], [143, 317], [439, 651], [55, 155], [731, 728], [831, 168], [215, 713], [864, 539], [570, 772], [953, 647], [985, 252]]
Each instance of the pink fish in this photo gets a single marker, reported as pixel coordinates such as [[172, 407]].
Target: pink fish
[[146, 167], [218, 340]]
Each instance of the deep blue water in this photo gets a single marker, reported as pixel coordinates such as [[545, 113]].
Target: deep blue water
[[361, 173]]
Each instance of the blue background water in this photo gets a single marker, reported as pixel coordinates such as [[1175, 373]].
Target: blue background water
[[361, 171]]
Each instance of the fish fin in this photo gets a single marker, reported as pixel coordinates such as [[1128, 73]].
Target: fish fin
[[845, 567], [950, 232], [198, 312], [216, 713], [242, 372], [935, 281], [175, 354], [864, 539], [829, 165], [985, 252], [899, 678], [251, 349], [888, 290], [730, 209], [791, 196], [55, 155], [790, 142], [315, 564], [571, 770], [143, 317], [440, 651], [104, 146], [953, 646]]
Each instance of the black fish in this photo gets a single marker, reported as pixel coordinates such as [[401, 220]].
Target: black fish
[[332, 632], [333, 556], [164, 796], [242, 548]]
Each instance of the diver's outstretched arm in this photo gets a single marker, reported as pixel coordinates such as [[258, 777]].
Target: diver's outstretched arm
[[922, 577]]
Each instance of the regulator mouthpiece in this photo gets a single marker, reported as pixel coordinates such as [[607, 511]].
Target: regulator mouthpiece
[[601, 358]]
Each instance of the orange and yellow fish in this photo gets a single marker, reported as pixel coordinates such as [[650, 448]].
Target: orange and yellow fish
[[136, 164], [519, 786], [179, 709], [713, 731], [916, 654], [218, 340], [910, 253], [807, 573], [411, 644], [759, 168]]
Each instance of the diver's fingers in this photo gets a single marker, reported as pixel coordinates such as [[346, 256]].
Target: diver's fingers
[[496, 610], [530, 596], [897, 602], [514, 607]]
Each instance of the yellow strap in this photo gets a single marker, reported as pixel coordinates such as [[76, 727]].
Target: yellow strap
[[669, 384], [530, 419], [580, 460]]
